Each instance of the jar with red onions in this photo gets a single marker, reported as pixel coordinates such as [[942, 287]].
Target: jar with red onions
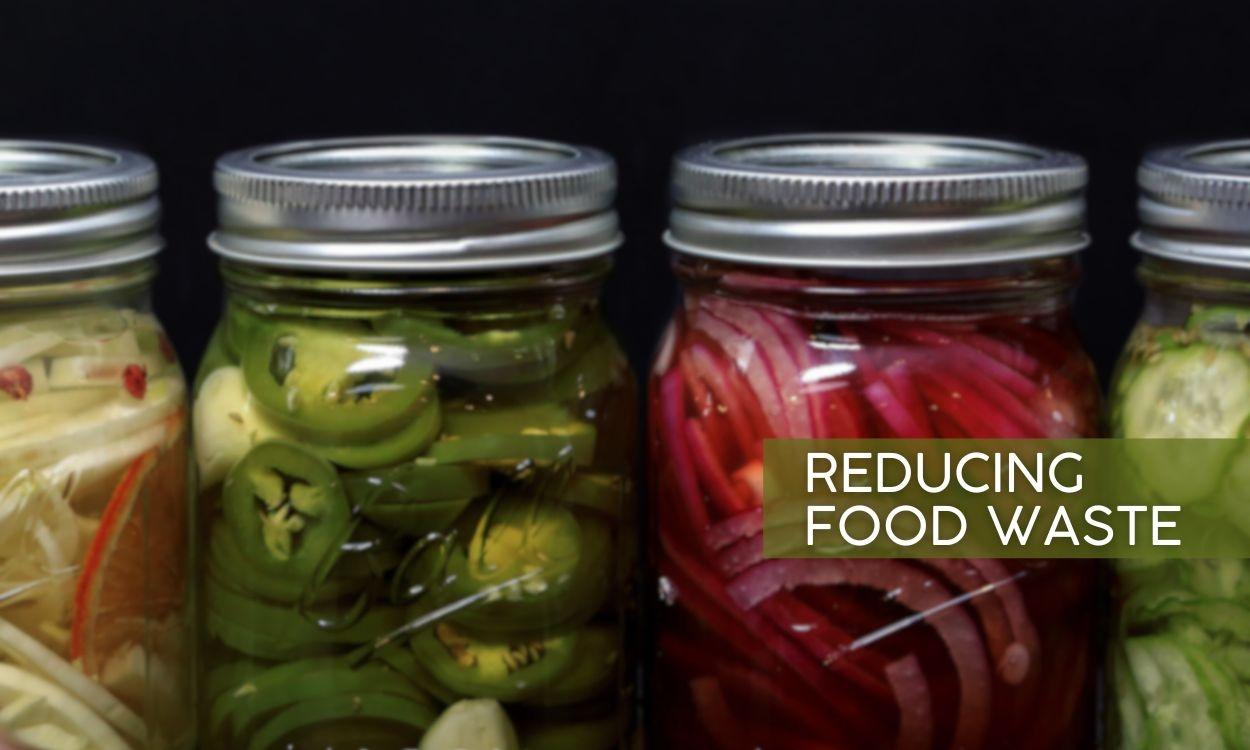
[[874, 286]]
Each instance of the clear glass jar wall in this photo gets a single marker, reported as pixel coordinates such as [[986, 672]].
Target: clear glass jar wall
[[416, 512], [845, 653], [1179, 666], [94, 622], [860, 653]]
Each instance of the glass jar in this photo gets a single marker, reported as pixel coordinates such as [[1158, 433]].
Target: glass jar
[[93, 459], [867, 286], [415, 434], [1180, 676]]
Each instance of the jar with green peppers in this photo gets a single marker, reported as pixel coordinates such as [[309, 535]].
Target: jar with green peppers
[[414, 436], [1180, 654]]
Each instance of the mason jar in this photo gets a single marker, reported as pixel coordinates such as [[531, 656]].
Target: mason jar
[[93, 459], [1180, 676], [864, 286], [414, 434]]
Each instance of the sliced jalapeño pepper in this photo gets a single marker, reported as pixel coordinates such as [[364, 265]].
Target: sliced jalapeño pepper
[[228, 563], [334, 382], [540, 432], [595, 667], [529, 564], [509, 669], [286, 508], [505, 353], [359, 708], [604, 493], [416, 498], [601, 365], [256, 628], [408, 441], [308, 679]]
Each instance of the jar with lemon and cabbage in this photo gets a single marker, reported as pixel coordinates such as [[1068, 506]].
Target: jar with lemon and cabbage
[[94, 622]]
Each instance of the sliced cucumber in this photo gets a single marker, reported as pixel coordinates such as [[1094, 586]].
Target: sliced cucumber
[[1196, 392], [1227, 696], [1177, 708]]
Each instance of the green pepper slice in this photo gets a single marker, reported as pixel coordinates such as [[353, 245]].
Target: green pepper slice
[[228, 563], [229, 676], [266, 630], [601, 365], [356, 708], [332, 382], [402, 659], [286, 508], [278, 687], [507, 670], [603, 493], [538, 432], [416, 498], [408, 441], [506, 353], [530, 564], [595, 667]]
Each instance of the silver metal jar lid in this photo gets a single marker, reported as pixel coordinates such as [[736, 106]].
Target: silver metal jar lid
[[67, 207], [401, 204], [866, 200], [1195, 203]]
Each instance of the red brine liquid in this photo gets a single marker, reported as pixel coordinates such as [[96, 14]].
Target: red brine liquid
[[844, 653]]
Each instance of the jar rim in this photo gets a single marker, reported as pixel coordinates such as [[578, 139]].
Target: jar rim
[[1194, 203], [860, 200], [415, 203], [74, 208]]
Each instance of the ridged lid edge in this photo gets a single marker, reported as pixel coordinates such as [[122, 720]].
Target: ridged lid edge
[[702, 177]]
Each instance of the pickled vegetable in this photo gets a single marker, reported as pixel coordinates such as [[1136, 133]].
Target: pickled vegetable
[[93, 531], [847, 653], [418, 534], [1181, 665]]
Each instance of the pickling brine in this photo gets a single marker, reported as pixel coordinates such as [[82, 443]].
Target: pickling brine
[[94, 642], [416, 509], [780, 339]]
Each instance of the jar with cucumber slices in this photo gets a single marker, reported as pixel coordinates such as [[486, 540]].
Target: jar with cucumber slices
[[414, 436], [1180, 658], [94, 626]]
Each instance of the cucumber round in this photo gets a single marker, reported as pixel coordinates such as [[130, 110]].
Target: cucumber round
[[1196, 392], [1177, 708]]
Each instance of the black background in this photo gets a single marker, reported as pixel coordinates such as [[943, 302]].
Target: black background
[[185, 81]]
